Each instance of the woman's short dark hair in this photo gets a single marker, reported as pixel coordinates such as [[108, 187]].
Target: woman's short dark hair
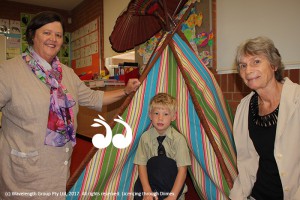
[[40, 20], [261, 46]]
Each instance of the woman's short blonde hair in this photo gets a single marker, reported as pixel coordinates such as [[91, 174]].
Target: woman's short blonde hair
[[165, 100]]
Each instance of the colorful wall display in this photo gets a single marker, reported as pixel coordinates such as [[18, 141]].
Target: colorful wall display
[[197, 30], [85, 49]]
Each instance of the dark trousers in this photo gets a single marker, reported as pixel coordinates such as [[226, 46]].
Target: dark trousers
[[162, 172]]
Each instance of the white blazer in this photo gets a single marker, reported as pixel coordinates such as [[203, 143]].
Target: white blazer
[[286, 148]]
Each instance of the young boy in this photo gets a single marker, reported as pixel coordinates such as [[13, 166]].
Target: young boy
[[162, 168]]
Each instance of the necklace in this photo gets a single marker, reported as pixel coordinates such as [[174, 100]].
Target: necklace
[[263, 121]]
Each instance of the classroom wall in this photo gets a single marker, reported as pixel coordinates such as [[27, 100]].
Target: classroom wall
[[92, 10], [12, 10], [112, 9], [239, 20], [3, 49], [85, 12], [231, 84]]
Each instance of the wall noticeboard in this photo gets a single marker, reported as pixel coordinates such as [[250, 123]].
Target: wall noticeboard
[[10, 30], [85, 49]]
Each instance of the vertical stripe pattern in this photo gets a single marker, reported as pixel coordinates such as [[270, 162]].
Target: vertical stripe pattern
[[111, 173]]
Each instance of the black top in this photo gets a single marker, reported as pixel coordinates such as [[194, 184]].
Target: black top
[[262, 130]]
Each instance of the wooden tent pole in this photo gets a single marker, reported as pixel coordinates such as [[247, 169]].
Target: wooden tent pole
[[202, 118], [166, 15]]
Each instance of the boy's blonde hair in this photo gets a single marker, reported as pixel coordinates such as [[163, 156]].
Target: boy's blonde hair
[[163, 99]]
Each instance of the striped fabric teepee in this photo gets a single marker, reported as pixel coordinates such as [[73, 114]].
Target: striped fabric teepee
[[202, 118]]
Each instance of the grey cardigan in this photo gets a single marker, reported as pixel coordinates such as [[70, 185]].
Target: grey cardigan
[[26, 164]]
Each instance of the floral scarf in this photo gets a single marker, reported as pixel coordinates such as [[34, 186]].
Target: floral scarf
[[60, 128]]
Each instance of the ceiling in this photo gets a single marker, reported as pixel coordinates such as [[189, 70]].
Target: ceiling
[[58, 4]]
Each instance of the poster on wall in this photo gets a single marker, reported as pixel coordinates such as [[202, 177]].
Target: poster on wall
[[10, 29], [12, 47], [85, 49]]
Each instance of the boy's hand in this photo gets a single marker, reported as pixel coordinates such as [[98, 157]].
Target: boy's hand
[[170, 198], [150, 196]]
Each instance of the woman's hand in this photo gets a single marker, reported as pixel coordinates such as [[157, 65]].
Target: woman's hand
[[132, 86], [115, 95]]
